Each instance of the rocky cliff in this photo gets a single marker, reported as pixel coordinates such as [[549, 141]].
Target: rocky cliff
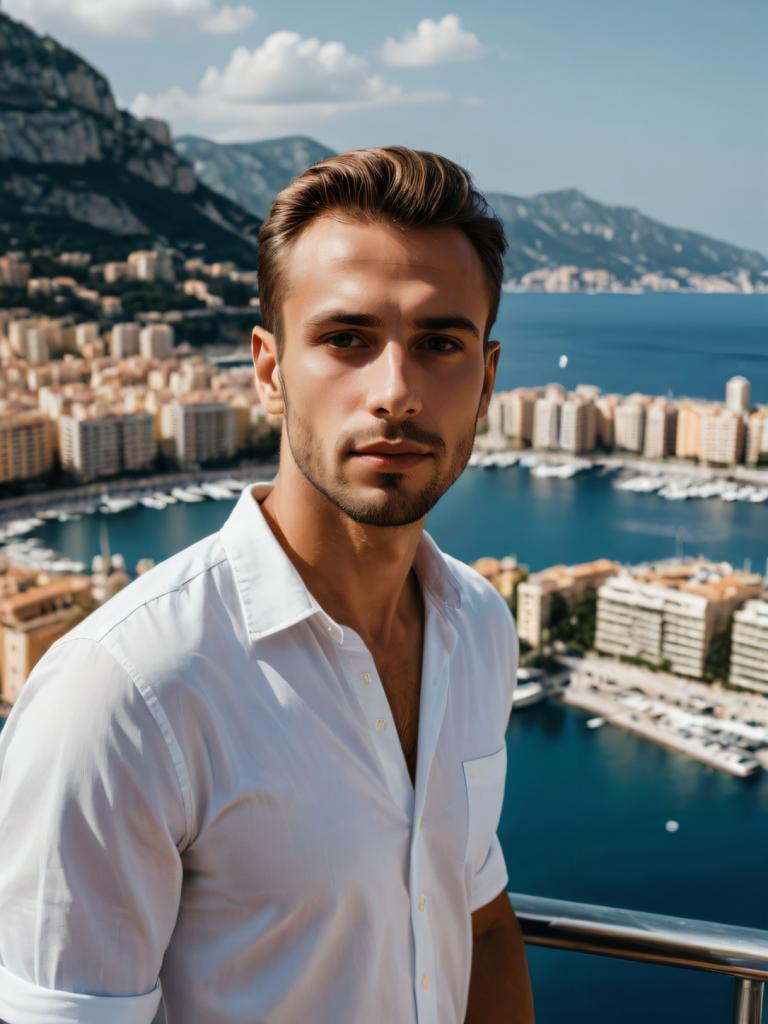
[[77, 172]]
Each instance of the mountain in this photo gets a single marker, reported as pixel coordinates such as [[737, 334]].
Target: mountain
[[76, 172], [251, 173], [558, 241], [568, 229]]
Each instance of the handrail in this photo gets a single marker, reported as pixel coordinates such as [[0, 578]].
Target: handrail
[[741, 953]]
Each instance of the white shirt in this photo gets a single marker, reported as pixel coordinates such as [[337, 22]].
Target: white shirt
[[205, 811]]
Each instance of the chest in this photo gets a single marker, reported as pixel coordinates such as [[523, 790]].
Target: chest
[[400, 670]]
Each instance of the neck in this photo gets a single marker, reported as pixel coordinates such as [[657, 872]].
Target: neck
[[361, 575]]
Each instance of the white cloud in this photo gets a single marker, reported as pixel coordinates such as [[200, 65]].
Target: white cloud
[[433, 42], [138, 19], [287, 83]]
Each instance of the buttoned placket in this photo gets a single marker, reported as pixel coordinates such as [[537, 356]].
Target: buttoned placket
[[439, 641]]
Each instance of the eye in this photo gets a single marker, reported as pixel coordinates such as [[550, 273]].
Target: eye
[[440, 343], [344, 339]]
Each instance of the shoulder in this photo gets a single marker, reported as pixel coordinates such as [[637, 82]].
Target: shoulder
[[482, 606], [189, 571]]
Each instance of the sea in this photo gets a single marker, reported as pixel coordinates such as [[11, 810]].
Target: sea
[[585, 810]]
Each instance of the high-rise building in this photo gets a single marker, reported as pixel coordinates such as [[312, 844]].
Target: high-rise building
[[688, 434], [737, 395], [546, 423], [660, 429], [722, 437], [86, 334], [535, 596], [124, 340], [156, 341], [517, 416], [578, 425], [668, 617], [629, 425], [202, 431], [26, 446], [749, 647], [99, 442]]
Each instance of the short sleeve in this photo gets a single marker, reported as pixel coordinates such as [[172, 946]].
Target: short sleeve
[[492, 876], [91, 819]]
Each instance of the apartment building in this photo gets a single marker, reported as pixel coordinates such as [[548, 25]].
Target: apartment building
[[97, 442], [688, 433], [756, 443], [26, 446], [578, 425], [150, 265], [722, 437], [124, 340], [629, 425], [33, 619], [749, 647], [670, 617], [156, 341], [201, 430], [571, 582], [660, 429], [546, 423]]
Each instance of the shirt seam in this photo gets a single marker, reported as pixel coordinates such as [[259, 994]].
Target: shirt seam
[[157, 711], [160, 719], [155, 597]]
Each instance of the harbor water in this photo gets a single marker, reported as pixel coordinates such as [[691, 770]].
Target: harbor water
[[585, 810]]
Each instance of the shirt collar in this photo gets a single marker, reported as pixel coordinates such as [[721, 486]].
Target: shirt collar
[[273, 594]]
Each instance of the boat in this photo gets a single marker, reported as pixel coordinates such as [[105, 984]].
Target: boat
[[182, 495], [154, 503], [528, 693], [595, 723], [111, 506], [216, 491]]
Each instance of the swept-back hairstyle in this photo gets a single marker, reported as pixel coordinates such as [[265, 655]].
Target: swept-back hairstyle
[[401, 186]]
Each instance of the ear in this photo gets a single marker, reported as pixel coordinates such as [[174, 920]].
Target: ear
[[268, 383], [491, 355]]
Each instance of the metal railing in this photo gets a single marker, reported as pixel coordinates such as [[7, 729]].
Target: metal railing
[[741, 953]]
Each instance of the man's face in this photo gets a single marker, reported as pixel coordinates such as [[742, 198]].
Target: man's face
[[383, 368]]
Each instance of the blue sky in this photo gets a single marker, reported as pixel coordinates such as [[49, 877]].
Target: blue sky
[[657, 104]]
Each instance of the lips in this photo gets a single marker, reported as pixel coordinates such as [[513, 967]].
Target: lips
[[392, 457]]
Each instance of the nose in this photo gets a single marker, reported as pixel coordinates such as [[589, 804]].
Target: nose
[[392, 393]]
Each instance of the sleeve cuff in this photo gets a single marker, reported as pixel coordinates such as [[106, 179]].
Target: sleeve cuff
[[490, 879], [22, 1002]]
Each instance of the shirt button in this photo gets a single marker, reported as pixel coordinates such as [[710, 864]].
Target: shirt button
[[381, 724], [421, 822], [366, 678], [425, 982], [422, 901]]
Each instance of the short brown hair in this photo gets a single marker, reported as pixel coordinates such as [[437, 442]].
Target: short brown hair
[[404, 186]]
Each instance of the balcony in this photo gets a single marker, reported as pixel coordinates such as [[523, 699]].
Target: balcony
[[741, 953]]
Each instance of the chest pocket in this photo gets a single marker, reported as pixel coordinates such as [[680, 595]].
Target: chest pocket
[[484, 778]]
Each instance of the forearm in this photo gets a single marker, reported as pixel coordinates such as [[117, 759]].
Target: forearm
[[500, 987]]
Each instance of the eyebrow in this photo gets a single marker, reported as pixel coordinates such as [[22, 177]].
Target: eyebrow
[[452, 321]]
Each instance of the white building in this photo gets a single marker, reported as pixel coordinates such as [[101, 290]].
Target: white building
[[749, 647], [737, 394]]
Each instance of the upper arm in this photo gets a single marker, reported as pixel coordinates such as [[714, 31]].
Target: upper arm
[[91, 817], [497, 913]]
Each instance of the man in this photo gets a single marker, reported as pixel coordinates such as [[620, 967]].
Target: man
[[263, 782]]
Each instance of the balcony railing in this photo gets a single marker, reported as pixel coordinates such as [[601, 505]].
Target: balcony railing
[[741, 953]]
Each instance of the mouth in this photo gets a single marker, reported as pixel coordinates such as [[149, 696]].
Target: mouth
[[392, 457]]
